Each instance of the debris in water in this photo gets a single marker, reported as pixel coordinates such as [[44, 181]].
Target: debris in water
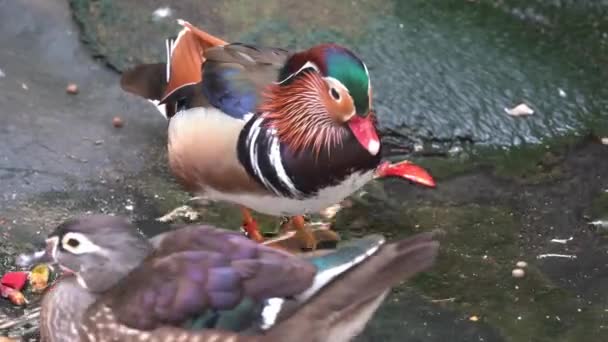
[[15, 296], [473, 318], [14, 280], [185, 211], [129, 207], [552, 255], [518, 273], [604, 140], [599, 224], [39, 278], [72, 89], [24, 86], [117, 122], [520, 110], [330, 212], [521, 264], [561, 92], [451, 299], [162, 12], [562, 241]]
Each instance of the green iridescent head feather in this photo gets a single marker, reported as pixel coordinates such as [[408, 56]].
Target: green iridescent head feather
[[350, 70], [338, 62]]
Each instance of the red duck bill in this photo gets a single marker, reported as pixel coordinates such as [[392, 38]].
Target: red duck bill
[[365, 132]]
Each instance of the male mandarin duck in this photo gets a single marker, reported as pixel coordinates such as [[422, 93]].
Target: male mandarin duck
[[281, 133], [200, 283]]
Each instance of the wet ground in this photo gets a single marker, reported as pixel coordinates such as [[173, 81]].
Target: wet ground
[[445, 69]]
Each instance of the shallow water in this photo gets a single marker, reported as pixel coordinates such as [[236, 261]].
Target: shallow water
[[441, 70]]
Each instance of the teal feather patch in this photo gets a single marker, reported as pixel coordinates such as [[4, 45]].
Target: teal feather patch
[[333, 264], [347, 252], [238, 319]]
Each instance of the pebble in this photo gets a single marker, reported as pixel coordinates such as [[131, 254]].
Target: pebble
[[117, 122], [521, 264], [518, 273], [72, 89]]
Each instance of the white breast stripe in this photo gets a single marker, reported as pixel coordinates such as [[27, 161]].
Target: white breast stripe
[[253, 154], [277, 164], [271, 312], [168, 43]]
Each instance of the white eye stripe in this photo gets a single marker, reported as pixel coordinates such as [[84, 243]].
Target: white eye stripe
[[84, 244], [335, 83], [55, 241], [306, 65]]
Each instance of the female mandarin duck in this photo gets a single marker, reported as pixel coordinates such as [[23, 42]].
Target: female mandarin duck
[[281, 133], [200, 283]]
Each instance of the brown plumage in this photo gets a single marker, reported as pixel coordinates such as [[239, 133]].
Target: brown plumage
[[298, 112]]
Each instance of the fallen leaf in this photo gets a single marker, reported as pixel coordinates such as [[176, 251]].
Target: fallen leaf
[[39, 278]]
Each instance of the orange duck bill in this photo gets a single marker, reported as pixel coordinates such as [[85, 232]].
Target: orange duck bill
[[407, 170]]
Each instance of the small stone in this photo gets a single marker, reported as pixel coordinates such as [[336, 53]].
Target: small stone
[[604, 140], [117, 122], [521, 264], [518, 273], [71, 89], [473, 318]]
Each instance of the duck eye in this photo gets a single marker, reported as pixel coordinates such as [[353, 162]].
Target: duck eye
[[334, 93], [73, 243]]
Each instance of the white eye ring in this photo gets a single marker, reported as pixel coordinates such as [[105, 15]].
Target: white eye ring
[[77, 243], [335, 88]]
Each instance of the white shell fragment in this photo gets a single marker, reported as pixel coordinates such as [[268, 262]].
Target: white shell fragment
[[521, 264], [162, 12], [520, 110], [553, 255], [562, 241], [518, 273]]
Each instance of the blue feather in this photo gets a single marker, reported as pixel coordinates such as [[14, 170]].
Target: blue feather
[[227, 91]]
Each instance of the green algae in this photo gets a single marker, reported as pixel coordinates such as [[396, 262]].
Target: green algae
[[472, 277]]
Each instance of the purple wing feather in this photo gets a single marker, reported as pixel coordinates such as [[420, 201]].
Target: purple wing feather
[[198, 268]]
